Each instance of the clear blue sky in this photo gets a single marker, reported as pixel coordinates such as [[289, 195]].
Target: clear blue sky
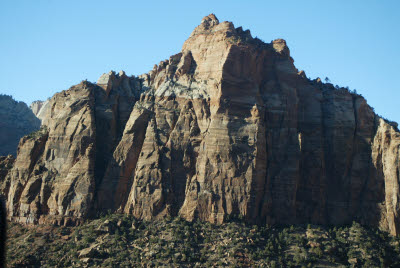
[[47, 46]]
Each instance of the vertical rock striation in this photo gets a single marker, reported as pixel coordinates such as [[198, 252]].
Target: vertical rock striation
[[57, 170], [40, 108], [226, 127]]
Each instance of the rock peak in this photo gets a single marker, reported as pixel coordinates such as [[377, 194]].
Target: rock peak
[[280, 46], [210, 20], [236, 121], [210, 24]]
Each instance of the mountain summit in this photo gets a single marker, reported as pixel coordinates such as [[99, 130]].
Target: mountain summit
[[226, 128]]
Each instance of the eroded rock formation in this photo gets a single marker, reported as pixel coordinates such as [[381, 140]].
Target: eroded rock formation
[[40, 108], [226, 127], [6, 163]]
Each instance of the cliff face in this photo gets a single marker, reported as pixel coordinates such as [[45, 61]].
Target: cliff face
[[226, 127], [6, 164], [56, 169], [40, 108], [16, 120]]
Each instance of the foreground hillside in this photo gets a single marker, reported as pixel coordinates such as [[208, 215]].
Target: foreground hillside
[[121, 241]]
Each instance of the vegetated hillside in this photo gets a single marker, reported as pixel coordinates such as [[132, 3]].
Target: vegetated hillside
[[16, 121], [228, 127], [122, 241]]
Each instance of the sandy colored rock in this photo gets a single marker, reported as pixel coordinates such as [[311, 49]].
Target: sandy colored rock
[[54, 176], [40, 108], [36, 106], [226, 127], [89, 252]]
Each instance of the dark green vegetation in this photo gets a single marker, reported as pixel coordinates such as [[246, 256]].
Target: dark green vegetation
[[38, 133], [121, 241]]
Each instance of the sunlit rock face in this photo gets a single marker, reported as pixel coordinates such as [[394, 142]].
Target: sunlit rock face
[[39, 108], [226, 127]]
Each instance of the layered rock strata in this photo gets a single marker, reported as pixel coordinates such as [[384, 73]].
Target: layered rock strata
[[226, 127]]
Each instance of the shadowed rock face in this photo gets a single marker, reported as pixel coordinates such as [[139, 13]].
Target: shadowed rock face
[[228, 126], [16, 121], [5, 166], [3, 229]]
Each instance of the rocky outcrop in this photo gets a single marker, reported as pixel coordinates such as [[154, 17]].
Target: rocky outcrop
[[36, 106], [40, 108], [226, 127], [6, 163], [58, 168], [386, 162], [16, 120], [3, 232]]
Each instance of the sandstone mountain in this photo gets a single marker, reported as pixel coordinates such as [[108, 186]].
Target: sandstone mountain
[[227, 127], [16, 121]]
